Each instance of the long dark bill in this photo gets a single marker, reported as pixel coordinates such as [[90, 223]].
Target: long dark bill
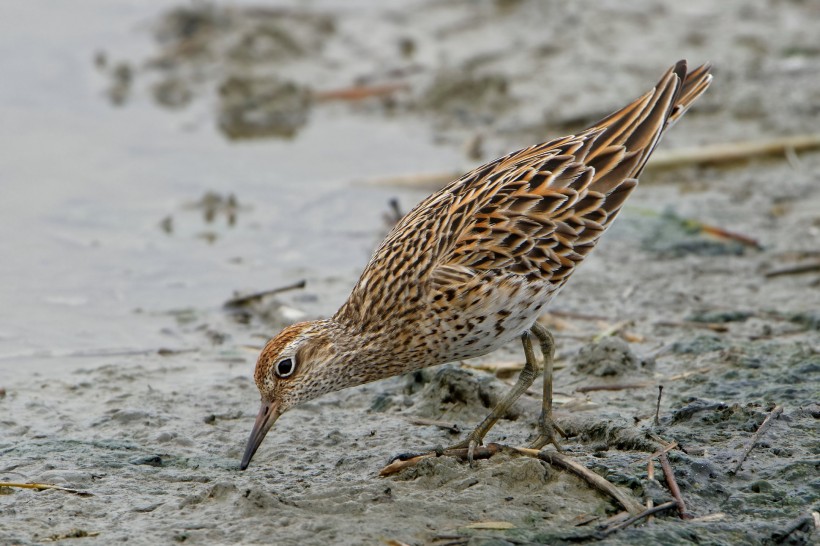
[[268, 414]]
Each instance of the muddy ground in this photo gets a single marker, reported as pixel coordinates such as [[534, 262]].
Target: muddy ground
[[155, 435]]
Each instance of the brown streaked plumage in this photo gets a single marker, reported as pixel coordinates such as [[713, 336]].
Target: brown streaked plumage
[[472, 266]]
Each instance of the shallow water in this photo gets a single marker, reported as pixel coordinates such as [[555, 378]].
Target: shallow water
[[88, 183]]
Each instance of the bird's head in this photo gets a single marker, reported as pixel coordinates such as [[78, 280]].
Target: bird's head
[[294, 367]]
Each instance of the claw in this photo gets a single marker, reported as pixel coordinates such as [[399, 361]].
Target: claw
[[470, 443], [471, 451], [547, 435]]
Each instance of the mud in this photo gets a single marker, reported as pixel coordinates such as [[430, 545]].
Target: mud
[[122, 374], [609, 357]]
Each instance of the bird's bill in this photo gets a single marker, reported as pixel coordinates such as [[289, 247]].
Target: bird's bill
[[268, 414]]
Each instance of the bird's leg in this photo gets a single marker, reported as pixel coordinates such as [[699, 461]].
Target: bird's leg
[[526, 378], [546, 423]]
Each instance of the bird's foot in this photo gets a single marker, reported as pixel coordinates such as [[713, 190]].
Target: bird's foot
[[547, 433], [470, 443]]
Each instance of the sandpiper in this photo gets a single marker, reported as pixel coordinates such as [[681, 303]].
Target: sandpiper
[[473, 265]]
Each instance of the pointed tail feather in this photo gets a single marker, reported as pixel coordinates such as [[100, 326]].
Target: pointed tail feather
[[629, 136], [694, 84]]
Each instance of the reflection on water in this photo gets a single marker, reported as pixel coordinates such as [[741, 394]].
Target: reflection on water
[[267, 70], [99, 240]]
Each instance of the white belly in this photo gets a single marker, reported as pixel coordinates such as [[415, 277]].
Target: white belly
[[489, 320]]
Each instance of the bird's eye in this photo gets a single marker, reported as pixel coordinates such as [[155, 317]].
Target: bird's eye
[[285, 368]]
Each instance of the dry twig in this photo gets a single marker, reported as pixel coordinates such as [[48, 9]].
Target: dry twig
[[74, 533], [242, 301], [810, 267], [491, 525], [722, 233], [637, 517], [398, 465], [672, 484], [714, 326], [562, 461], [650, 477], [446, 425], [666, 449], [662, 159], [618, 387], [394, 215], [497, 368], [553, 458], [689, 373], [732, 151], [658, 407], [574, 315], [45, 486], [431, 181], [612, 330], [708, 518], [775, 413], [359, 92], [481, 452]]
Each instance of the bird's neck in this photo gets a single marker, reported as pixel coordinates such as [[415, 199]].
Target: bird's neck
[[369, 355]]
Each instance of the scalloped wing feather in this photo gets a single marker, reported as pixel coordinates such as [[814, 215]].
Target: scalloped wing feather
[[538, 212], [523, 221]]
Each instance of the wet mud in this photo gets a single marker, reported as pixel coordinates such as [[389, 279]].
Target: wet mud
[[156, 436]]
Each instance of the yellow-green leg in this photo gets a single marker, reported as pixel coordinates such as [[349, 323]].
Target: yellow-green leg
[[525, 379], [546, 423]]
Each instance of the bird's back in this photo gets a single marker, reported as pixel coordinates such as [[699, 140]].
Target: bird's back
[[473, 264]]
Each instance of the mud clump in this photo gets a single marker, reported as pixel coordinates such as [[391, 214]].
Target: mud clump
[[455, 392], [608, 358], [698, 345]]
